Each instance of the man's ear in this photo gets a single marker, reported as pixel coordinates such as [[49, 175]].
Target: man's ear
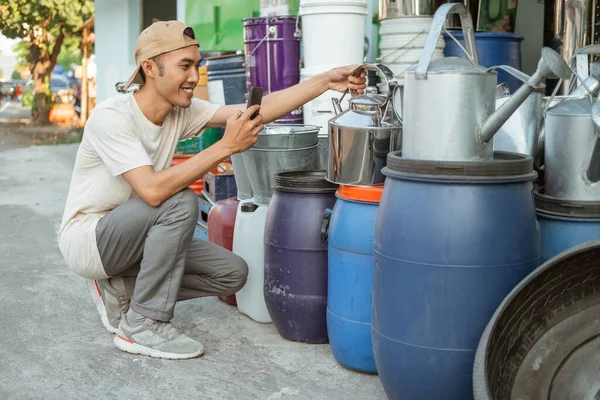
[[148, 67]]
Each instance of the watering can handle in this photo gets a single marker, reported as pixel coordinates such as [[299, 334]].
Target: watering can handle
[[439, 19], [520, 75]]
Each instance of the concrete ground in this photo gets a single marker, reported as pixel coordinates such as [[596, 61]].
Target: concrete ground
[[53, 345]]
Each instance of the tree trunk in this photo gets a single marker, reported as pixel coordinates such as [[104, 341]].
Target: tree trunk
[[42, 72], [41, 87]]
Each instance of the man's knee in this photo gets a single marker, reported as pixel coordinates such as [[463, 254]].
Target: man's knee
[[239, 273], [187, 202]]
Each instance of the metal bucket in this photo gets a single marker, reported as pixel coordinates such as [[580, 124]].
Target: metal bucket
[[542, 342], [323, 153], [242, 181], [519, 134], [569, 144], [279, 148]]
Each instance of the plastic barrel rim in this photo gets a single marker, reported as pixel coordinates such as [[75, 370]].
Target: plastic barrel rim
[[366, 194], [303, 182], [565, 208], [505, 165]]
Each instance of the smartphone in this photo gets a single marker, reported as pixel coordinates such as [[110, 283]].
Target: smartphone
[[254, 98]]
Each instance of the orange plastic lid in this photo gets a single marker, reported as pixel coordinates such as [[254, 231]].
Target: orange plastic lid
[[370, 194]]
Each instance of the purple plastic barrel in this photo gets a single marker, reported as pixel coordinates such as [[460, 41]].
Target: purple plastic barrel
[[272, 49], [295, 256]]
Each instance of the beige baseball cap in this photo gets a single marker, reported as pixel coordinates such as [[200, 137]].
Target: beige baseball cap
[[160, 37]]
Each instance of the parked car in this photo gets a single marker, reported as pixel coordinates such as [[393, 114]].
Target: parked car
[[62, 87]]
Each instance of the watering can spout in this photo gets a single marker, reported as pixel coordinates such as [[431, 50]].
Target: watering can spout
[[550, 63]]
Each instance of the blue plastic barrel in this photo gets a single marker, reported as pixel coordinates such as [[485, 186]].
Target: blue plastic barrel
[[565, 223], [451, 241], [494, 48], [351, 232]]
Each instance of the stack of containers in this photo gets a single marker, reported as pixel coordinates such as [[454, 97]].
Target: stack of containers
[[333, 35], [401, 41]]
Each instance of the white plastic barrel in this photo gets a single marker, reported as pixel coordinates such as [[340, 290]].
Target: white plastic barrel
[[248, 243], [333, 31]]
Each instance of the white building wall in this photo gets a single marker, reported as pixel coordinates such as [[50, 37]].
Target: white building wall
[[117, 26], [181, 10]]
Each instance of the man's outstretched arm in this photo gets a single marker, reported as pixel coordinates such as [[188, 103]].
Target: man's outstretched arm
[[280, 103]]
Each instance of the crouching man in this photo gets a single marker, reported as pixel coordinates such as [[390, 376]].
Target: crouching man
[[129, 218]]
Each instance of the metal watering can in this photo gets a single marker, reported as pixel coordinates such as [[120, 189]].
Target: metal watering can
[[572, 149], [361, 136], [449, 104], [588, 86]]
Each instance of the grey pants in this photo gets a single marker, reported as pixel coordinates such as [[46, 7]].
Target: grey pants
[[156, 246]]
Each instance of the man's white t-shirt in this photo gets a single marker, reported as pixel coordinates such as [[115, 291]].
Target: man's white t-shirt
[[117, 138]]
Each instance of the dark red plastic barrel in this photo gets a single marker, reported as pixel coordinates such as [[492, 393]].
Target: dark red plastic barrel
[[221, 220]]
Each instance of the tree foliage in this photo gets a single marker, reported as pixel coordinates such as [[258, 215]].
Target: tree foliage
[[70, 53], [16, 75], [43, 25]]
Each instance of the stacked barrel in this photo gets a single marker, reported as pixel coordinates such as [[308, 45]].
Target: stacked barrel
[[568, 203]]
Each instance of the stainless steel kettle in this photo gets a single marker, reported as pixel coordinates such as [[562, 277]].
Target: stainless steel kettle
[[449, 104], [361, 136]]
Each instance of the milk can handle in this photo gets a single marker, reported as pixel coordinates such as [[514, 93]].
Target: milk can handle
[[387, 74], [439, 19], [325, 225]]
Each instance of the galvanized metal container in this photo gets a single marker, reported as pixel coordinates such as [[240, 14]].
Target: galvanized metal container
[[242, 181], [520, 132], [449, 104], [444, 112], [569, 145], [279, 148], [323, 153]]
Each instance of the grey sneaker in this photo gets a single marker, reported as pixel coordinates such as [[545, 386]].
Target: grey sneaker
[[157, 339], [110, 303]]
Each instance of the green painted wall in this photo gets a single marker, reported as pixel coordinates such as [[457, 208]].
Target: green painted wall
[[218, 23]]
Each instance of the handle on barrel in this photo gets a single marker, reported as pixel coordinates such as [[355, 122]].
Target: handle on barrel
[[325, 225]]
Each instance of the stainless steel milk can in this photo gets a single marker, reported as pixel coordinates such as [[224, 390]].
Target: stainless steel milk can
[[361, 136]]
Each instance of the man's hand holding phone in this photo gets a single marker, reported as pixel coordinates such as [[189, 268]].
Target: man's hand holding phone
[[242, 130]]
